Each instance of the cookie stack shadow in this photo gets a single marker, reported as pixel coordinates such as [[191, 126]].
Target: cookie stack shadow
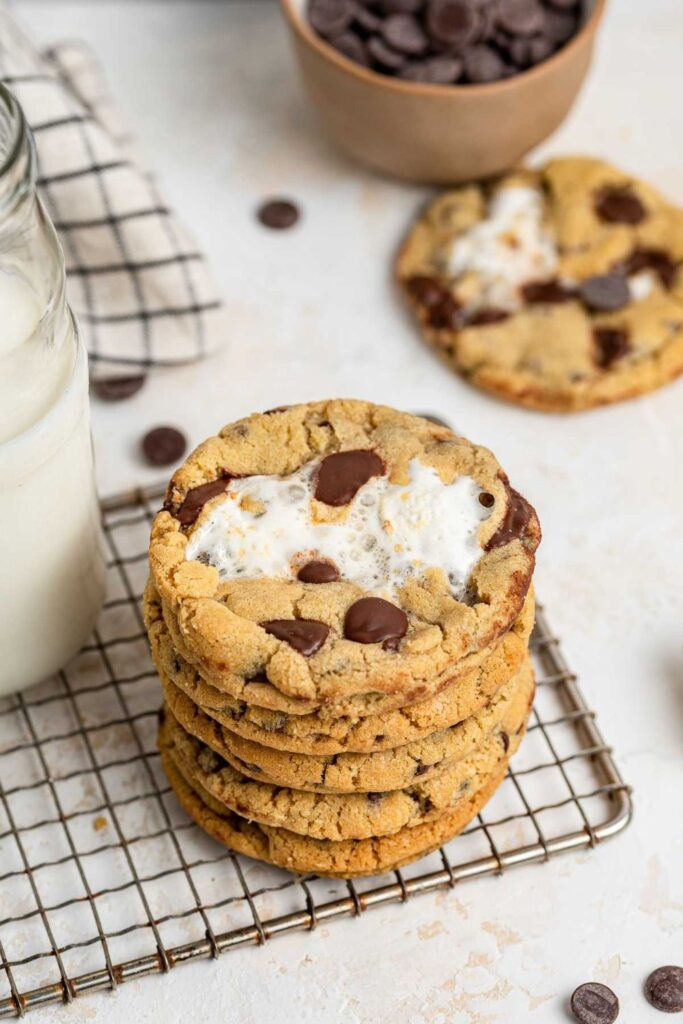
[[355, 787]]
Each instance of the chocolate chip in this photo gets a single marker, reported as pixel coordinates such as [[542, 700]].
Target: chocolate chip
[[163, 445], [525, 51], [505, 740], [115, 389], [650, 259], [446, 314], [426, 290], [593, 1003], [664, 989], [486, 499], [210, 762], [521, 17], [421, 769], [278, 214], [371, 620], [559, 26], [518, 513], [564, 5], [488, 315], [305, 635], [483, 64], [612, 344], [341, 475], [197, 497], [384, 55], [452, 23], [404, 33], [400, 6], [366, 19], [352, 46], [542, 292], [605, 293], [440, 70], [329, 17], [318, 572], [619, 205], [375, 798]]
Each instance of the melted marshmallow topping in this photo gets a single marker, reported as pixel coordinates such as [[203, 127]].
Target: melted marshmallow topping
[[264, 526]]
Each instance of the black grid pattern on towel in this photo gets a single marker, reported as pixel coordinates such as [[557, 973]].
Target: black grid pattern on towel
[[105, 879]]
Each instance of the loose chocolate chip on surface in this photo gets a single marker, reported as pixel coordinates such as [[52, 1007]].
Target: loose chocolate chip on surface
[[318, 572], [518, 513], [664, 989], [163, 446], [521, 17], [352, 46], [605, 292], [341, 475], [404, 33], [619, 206], [440, 70], [541, 292], [593, 1003], [329, 17], [305, 635], [488, 315], [278, 214], [196, 499], [384, 55], [115, 389], [612, 344], [371, 620], [483, 64], [486, 499], [452, 23]]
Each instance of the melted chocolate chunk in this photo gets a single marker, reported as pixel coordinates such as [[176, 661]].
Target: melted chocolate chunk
[[341, 475], [196, 499], [650, 259], [426, 290], [305, 635], [619, 205], [488, 315], [318, 572], [664, 989], [612, 343], [545, 292], [505, 740], [486, 499], [371, 620], [518, 513], [594, 1003], [446, 314], [605, 293]]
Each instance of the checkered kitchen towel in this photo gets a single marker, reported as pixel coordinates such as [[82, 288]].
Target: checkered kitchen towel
[[141, 291]]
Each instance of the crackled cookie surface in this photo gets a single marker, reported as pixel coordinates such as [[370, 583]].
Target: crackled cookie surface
[[560, 288], [396, 768], [347, 858], [322, 733], [340, 548]]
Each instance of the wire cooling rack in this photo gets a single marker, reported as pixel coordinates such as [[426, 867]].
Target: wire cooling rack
[[102, 876]]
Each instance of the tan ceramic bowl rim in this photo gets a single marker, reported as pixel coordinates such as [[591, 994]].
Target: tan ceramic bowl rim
[[301, 25]]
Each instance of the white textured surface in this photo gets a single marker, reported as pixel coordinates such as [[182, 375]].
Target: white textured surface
[[387, 533], [312, 315]]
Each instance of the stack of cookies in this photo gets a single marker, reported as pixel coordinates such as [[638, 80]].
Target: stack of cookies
[[339, 609]]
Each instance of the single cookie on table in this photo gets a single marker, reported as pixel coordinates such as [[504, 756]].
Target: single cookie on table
[[318, 733], [338, 816], [396, 768], [350, 858], [559, 288], [341, 547], [222, 691]]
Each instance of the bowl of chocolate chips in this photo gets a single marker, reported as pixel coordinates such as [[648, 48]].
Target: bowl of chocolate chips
[[442, 91]]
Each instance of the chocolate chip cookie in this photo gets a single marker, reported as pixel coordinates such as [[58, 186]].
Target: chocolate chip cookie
[[559, 288], [396, 768], [428, 551]]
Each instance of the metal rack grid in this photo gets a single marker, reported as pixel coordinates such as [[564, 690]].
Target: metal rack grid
[[102, 876]]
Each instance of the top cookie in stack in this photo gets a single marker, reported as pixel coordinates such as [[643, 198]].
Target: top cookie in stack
[[339, 608]]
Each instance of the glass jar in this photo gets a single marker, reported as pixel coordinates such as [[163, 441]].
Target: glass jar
[[52, 578]]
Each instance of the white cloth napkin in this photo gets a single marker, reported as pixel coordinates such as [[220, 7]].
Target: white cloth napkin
[[141, 291]]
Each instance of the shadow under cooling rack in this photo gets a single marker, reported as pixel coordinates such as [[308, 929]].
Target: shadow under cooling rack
[[103, 878]]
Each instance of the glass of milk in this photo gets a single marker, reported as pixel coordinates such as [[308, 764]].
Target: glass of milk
[[51, 561]]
